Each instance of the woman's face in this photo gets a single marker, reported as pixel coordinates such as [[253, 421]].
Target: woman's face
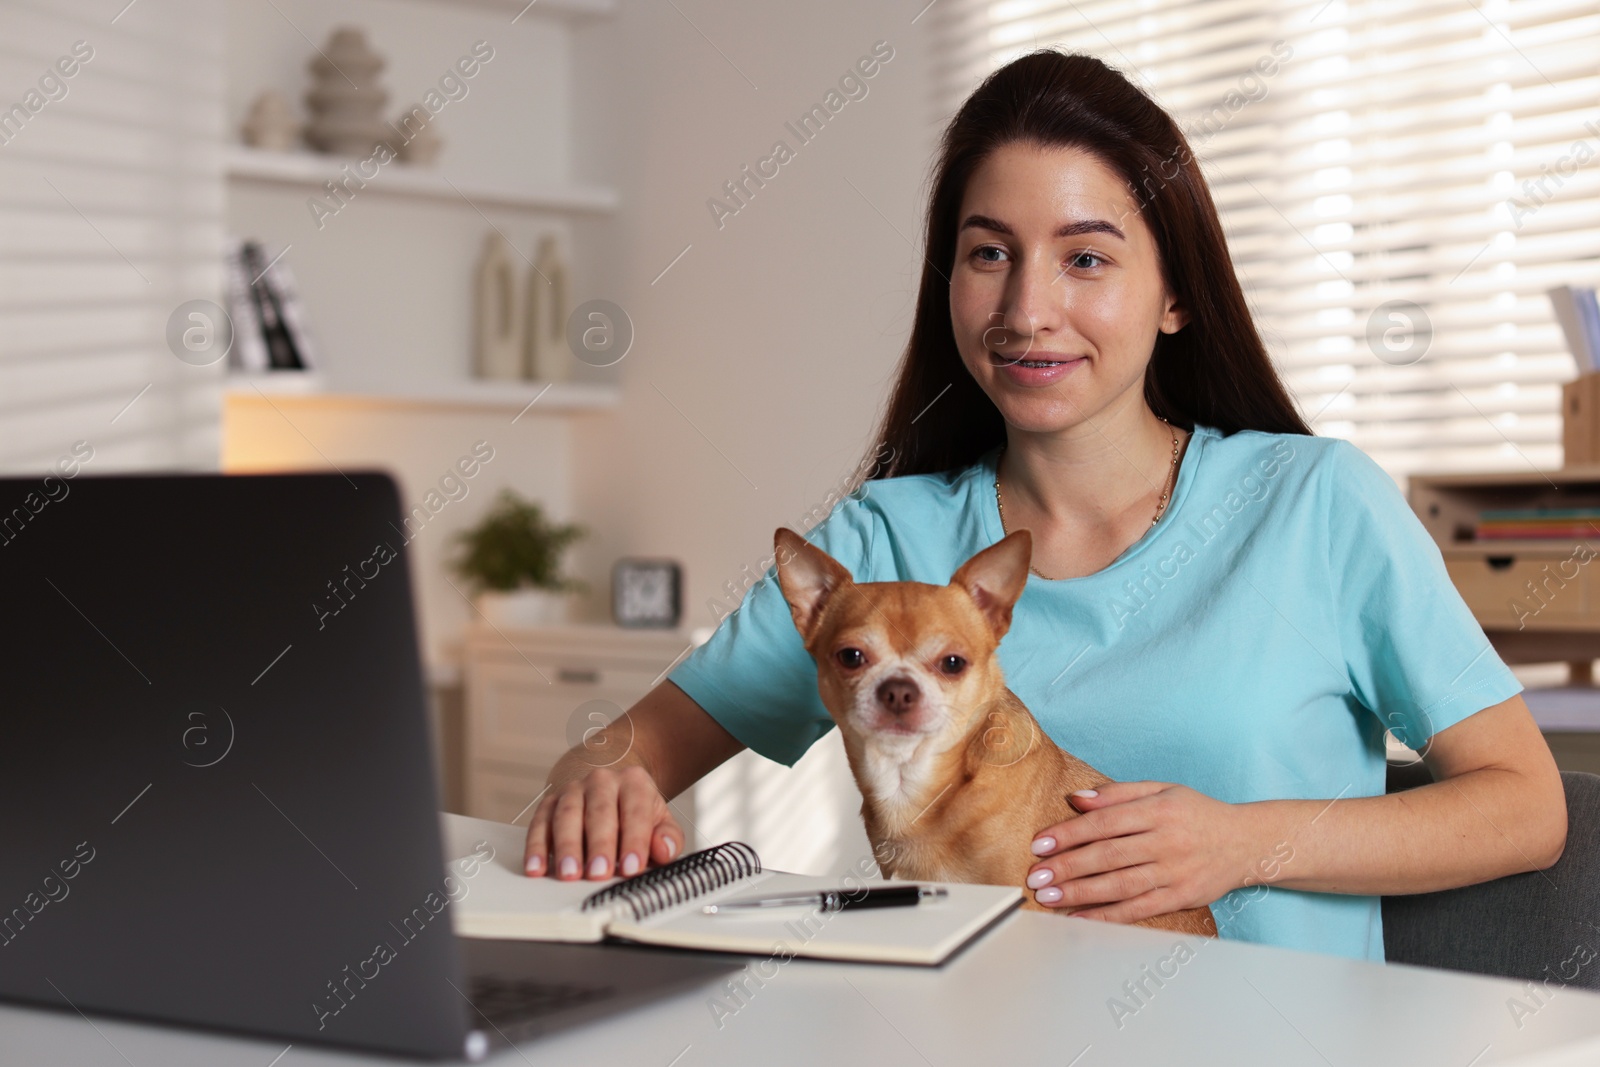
[[1056, 294]]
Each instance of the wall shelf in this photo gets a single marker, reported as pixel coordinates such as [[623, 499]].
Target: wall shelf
[[309, 171], [512, 397], [571, 10]]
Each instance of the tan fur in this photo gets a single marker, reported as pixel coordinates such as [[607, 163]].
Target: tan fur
[[957, 783]]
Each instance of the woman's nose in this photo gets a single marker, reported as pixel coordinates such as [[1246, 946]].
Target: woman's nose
[[1035, 302]]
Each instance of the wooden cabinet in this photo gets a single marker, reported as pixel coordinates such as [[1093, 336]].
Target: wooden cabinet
[[1518, 590], [1537, 600], [533, 694]]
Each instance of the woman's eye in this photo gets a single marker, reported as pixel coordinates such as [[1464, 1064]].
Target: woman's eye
[[1078, 257], [983, 253], [952, 664], [850, 657]]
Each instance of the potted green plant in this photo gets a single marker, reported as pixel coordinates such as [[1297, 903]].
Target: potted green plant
[[512, 558]]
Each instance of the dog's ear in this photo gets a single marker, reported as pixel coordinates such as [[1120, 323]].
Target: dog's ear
[[995, 577], [808, 577]]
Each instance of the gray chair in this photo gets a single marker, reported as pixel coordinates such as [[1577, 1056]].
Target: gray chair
[[1539, 925]]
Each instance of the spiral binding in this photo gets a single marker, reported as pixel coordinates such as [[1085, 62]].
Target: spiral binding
[[679, 881]]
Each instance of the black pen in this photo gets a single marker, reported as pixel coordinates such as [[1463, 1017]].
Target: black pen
[[891, 896]]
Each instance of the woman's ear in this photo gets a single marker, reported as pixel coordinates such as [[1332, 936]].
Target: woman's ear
[[1176, 317]]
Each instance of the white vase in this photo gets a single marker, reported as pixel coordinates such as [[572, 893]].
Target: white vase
[[546, 357], [497, 313], [522, 608]]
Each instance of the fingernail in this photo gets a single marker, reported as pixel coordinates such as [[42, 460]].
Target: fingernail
[[1048, 895], [1086, 792], [569, 867], [1043, 846], [630, 864], [672, 847], [1041, 878], [535, 864], [597, 867]]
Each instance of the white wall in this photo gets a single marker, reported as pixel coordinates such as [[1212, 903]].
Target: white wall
[[774, 336]]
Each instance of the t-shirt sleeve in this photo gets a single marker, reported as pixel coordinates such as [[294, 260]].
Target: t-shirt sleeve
[[754, 675], [1416, 656]]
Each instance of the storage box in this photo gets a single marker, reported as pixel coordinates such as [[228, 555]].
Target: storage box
[[1580, 420]]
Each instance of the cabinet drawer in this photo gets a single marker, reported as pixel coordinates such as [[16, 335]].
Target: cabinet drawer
[[575, 672], [531, 698], [515, 715], [1497, 589], [516, 720], [505, 794]]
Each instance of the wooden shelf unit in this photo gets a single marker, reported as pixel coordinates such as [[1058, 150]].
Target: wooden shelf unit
[[1537, 600], [578, 11]]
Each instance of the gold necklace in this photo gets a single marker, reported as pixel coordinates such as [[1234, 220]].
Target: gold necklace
[[1161, 505]]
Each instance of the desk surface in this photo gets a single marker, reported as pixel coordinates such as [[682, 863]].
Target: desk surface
[[1035, 990], [1564, 708]]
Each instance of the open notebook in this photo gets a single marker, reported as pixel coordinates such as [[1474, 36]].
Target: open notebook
[[664, 907]]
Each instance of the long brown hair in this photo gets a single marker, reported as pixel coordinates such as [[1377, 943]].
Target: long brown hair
[[1215, 370]]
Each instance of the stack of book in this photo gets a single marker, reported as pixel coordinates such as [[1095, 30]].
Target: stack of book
[[1526, 524], [1579, 315], [270, 331]]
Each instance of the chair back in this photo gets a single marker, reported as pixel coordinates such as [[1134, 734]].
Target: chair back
[[1538, 925]]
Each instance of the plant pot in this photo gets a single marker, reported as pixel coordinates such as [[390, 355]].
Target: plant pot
[[520, 608]]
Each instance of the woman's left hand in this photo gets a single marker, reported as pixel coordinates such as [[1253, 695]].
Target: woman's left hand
[[1143, 849]]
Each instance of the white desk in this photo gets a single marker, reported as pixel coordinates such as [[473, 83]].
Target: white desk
[[1033, 991]]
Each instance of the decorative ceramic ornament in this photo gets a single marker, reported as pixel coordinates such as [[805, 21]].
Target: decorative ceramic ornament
[[498, 313], [345, 100], [270, 125], [545, 353]]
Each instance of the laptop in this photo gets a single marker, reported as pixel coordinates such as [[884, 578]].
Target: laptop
[[221, 805]]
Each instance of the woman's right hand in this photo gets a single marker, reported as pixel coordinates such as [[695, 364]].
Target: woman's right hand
[[606, 810], [609, 820]]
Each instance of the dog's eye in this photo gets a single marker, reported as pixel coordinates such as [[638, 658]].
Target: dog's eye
[[850, 657], [952, 665]]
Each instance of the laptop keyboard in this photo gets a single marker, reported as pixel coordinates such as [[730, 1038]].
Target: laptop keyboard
[[509, 1001]]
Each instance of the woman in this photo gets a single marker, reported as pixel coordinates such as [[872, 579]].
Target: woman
[[1225, 613]]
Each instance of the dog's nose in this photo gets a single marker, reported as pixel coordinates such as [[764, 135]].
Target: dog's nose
[[898, 695]]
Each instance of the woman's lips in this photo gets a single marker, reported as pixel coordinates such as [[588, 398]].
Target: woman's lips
[[1035, 368]]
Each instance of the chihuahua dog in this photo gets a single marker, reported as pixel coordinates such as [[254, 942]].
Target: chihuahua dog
[[956, 775]]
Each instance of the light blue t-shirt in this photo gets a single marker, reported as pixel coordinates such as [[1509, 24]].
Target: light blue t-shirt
[[1254, 645]]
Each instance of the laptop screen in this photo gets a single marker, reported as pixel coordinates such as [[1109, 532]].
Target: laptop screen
[[216, 763]]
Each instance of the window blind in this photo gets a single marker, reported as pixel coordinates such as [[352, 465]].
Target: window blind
[[111, 199], [1398, 193]]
